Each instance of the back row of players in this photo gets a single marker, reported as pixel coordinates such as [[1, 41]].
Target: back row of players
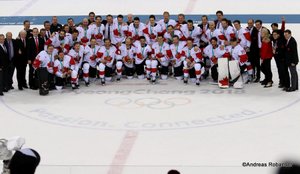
[[95, 50]]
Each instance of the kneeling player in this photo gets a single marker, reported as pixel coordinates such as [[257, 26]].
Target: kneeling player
[[64, 67], [192, 62]]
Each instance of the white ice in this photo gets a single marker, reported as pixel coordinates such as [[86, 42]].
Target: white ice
[[168, 125]]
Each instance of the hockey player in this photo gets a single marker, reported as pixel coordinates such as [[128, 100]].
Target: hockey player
[[190, 31], [192, 62], [171, 33], [120, 30], [128, 52], [74, 38], [164, 23], [64, 67], [98, 30], [152, 30], [177, 57], [60, 41], [42, 64], [143, 53], [243, 36], [90, 59], [239, 53], [106, 56], [136, 29], [213, 51], [162, 53], [213, 32], [227, 31], [85, 33]]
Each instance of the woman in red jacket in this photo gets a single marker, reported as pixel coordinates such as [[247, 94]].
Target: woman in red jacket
[[266, 54]]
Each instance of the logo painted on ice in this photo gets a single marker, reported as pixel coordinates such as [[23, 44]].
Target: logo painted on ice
[[147, 113]]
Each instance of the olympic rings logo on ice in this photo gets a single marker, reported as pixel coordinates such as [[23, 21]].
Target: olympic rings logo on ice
[[151, 102]]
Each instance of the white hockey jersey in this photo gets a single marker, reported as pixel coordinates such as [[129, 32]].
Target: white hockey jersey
[[61, 67], [109, 55], [163, 52], [214, 53], [152, 32], [91, 55], [142, 53], [195, 33], [244, 37]]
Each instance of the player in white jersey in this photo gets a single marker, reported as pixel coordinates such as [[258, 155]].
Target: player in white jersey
[[77, 53], [191, 31], [177, 57], [243, 36], [60, 41], [74, 38], [144, 52], [64, 67], [213, 51], [120, 30], [136, 29], [98, 30], [239, 53], [85, 33], [128, 53], [152, 30], [192, 62], [106, 56], [90, 59], [227, 31], [164, 23], [171, 32], [43, 64], [213, 32]]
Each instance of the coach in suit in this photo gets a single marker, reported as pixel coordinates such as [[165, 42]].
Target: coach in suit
[[34, 46], [254, 53], [21, 59], [291, 55], [4, 60], [10, 44]]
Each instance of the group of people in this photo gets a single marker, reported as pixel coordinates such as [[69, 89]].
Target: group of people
[[113, 49]]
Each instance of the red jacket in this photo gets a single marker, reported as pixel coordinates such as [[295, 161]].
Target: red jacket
[[266, 50]]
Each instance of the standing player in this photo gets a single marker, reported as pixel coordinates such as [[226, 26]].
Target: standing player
[[144, 52], [152, 30], [163, 54]]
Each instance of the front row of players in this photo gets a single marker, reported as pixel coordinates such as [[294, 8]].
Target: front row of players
[[57, 65]]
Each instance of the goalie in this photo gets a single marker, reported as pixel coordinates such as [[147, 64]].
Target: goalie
[[234, 68]]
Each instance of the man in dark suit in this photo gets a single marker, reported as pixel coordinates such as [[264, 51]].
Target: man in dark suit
[[34, 47], [21, 59], [26, 24], [47, 27], [220, 16], [10, 44], [55, 26], [291, 54], [3, 65], [204, 27], [254, 53], [279, 43]]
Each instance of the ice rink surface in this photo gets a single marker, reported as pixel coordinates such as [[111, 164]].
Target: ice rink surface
[[135, 127]]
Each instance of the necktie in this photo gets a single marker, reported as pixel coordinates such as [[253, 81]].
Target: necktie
[[4, 48], [108, 32], [37, 44], [10, 50], [24, 43]]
